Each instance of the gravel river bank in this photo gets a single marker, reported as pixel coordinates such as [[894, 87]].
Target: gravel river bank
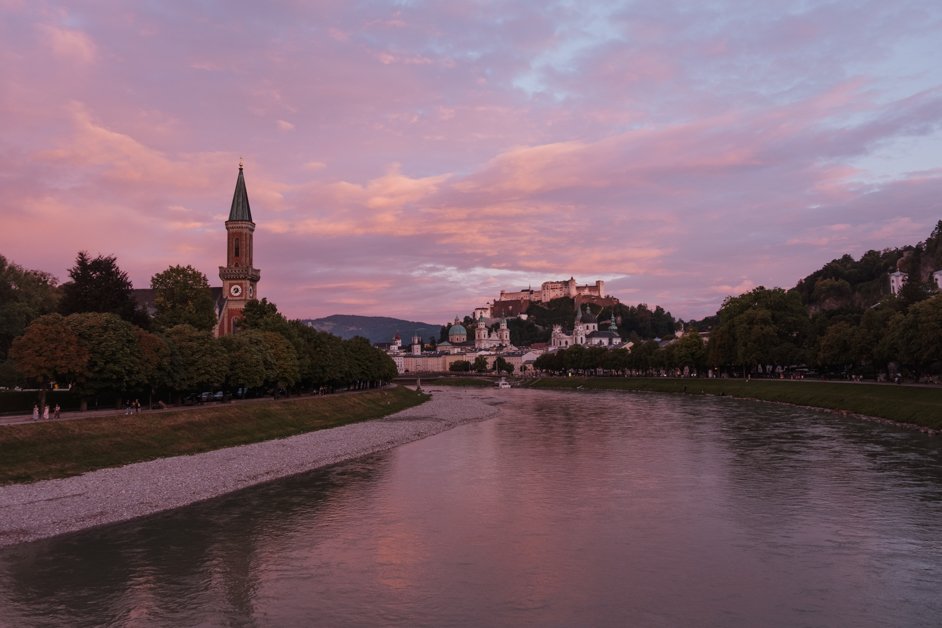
[[49, 508]]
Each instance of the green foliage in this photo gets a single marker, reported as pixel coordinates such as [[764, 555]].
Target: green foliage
[[115, 362], [917, 336], [49, 351], [689, 352], [643, 322], [156, 359], [182, 297], [198, 360], [246, 363], [527, 332], [556, 312], [633, 321], [24, 296], [98, 285], [763, 326], [838, 348], [264, 316], [460, 366], [503, 366], [480, 364]]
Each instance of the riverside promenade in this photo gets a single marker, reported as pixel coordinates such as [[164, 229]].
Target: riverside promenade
[[53, 507]]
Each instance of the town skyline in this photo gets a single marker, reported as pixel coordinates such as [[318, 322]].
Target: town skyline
[[412, 160]]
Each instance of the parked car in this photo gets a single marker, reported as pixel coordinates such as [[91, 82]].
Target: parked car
[[192, 399]]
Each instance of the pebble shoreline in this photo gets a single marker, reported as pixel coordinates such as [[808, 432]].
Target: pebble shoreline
[[29, 512]]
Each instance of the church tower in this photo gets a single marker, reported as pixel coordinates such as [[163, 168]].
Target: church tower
[[239, 278]]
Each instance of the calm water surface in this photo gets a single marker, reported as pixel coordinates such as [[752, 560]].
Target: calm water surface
[[608, 509]]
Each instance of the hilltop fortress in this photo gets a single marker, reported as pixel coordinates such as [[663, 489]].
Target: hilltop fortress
[[513, 304], [550, 290]]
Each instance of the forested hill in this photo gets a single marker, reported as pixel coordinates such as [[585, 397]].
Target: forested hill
[[373, 328], [848, 283]]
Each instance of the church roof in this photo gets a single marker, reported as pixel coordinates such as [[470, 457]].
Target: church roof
[[240, 201], [457, 330], [588, 316]]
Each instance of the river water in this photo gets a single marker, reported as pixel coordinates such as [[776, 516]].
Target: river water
[[567, 509]]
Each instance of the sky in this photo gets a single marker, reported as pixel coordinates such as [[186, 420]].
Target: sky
[[412, 158]]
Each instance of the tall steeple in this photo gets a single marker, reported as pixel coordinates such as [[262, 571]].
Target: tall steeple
[[240, 209], [239, 276]]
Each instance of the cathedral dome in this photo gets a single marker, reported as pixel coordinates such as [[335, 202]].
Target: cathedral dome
[[457, 330]]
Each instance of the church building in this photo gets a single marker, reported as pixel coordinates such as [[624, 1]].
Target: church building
[[239, 277]]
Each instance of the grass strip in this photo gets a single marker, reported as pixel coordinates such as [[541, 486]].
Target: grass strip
[[918, 405], [40, 451]]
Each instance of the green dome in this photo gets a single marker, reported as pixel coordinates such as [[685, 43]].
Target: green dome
[[457, 330]]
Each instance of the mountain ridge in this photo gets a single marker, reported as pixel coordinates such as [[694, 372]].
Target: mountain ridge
[[373, 328]]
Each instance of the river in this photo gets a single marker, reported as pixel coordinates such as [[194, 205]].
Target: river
[[567, 509]]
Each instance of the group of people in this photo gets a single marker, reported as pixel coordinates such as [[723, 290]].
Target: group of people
[[132, 407], [56, 412]]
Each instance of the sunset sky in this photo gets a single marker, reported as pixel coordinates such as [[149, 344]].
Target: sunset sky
[[413, 158]]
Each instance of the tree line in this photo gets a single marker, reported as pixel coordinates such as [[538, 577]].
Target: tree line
[[91, 335], [769, 332]]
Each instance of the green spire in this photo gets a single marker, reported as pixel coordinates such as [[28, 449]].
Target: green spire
[[240, 200]]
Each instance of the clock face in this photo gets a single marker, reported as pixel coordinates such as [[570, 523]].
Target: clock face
[[251, 292], [235, 290]]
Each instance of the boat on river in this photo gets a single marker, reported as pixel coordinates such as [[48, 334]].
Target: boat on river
[[503, 383]]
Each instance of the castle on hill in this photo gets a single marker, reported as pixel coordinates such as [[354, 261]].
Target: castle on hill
[[550, 290], [511, 304]]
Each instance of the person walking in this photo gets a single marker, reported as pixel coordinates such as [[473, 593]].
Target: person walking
[[35, 412], [46, 412], [57, 412]]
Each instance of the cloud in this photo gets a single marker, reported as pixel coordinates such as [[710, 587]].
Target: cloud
[[415, 159], [68, 44]]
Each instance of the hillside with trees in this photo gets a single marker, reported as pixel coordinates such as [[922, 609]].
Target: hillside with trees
[[856, 284]]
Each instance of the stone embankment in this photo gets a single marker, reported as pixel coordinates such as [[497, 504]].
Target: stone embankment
[[49, 508]]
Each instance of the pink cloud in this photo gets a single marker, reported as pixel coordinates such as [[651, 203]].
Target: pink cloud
[[685, 151], [68, 44]]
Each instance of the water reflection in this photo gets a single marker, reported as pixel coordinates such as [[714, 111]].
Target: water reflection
[[568, 509]]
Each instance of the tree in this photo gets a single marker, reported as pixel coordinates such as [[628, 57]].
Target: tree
[[763, 326], [198, 359], [501, 365], [480, 364], [279, 359], [115, 362], [460, 366], [838, 347], [98, 285], [49, 351], [155, 361], [182, 296], [918, 335], [264, 316], [689, 352], [246, 362], [24, 296]]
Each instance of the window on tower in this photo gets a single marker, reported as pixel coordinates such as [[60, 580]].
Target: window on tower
[[235, 247]]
